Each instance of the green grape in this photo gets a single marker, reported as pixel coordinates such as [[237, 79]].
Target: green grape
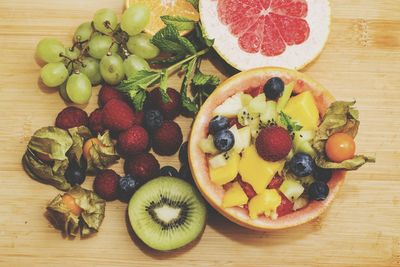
[[91, 69], [83, 32], [72, 53], [140, 45], [134, 64], [112, 69], [100, 45], [49, 50], [63, 92], [101, 17], [135, 19], [54, 74], [79, 89]]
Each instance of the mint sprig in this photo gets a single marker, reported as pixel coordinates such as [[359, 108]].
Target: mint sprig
[[290, 125], [180, 23]]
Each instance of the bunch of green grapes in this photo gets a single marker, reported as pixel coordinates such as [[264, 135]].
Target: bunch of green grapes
[[102, 50]]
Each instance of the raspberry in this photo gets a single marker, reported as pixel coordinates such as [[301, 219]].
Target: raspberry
[[71, 117], [143, 166], [95, 121], [106, 184], [167, 139], [133, 141], [108, 92], [117, 115], [171, 109], [273, 143]]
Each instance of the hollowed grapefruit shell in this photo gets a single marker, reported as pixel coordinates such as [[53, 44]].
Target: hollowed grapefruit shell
[[213, 193]]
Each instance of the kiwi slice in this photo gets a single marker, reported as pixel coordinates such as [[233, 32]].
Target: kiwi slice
[[167, 213]]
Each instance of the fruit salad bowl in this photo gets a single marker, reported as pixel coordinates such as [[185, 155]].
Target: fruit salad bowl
[[252, 82]]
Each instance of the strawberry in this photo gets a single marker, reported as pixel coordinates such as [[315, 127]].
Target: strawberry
[[117, 115], [273, 143], [71, 117], [170, 110], [108, 92], [275, 182], [106, 184], [133, 141], [167, 139], [247, 188], [95, 121], [285, 207], [143, 166]]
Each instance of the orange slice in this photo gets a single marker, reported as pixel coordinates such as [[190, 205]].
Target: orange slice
[[181, 8]]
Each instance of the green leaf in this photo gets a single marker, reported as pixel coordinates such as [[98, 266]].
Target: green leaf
[[169, 40], [200, 79], [201, 36], [288, 123], [187, 103], [180, 23], [138, 97], [164, 86], [195, 4]]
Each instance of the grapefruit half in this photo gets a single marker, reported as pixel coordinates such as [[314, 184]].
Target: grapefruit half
[[244, 82], [257, 33]]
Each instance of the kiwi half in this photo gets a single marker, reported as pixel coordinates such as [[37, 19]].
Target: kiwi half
[[167, 213]]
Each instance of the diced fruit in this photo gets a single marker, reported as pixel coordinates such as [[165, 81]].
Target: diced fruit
[[255, 127], [303, 109], [230, 108], [285, 207], [340, 147], [207, 145], [256, 171], [257, 104], [302, 165], [217, 124], [266, 202], [273, 88], [269, 116], [247, 188], [224, 140], [218, 161], [318, 190], [300, 203], [238, 146], [283, 100], [245, 117], [291, 188], [226, 173], [245, 136], [305, 147], [304, 135], [246, 98], [275, 182], [234, 196]]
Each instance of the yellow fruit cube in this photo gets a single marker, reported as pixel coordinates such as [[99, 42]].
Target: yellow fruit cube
[[256, 171], [226, 173], [267, 202], [303, 109], [234, 196]]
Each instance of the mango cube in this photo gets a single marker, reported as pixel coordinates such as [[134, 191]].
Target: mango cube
[[234, 196], [264, 203], [256, 171], [303, 109], [228, 172]]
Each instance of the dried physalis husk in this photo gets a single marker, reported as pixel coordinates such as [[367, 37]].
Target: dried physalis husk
[[77, 211], [340, 117], [103, 153], [46, 158], [79, 135]]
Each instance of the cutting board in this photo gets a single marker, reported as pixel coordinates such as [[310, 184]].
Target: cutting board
[[362, 227]]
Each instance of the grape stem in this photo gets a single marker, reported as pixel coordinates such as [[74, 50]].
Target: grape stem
[[177, 65]]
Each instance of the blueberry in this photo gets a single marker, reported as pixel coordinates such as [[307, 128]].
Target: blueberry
[[185, 173], [323, 175], [217, 124], [183, 153], [318, 190], [153, 119], [224, 140], [169, 171], [75, 174], [302, 165], [273, 89], [127, 187]]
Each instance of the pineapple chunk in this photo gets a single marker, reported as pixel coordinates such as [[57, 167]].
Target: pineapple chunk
[[266, 202], [234, 196], [231, 107], [245, 136], [207, 145], [300, 203], [303, 109], [246, 98], [258, 104], [291, 188], [237, 147], [228, 172], [270, 113], [217, 161], [256, 171], [283, 100]]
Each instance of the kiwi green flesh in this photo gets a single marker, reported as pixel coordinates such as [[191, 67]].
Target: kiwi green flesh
[[167, 213]]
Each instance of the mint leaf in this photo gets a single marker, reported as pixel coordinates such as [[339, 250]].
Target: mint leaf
[[164, 86], [201, 36], [291, 126], [169, 40], [187, 103], [138, 97], [195, 4], [201, 79], [180, 23]]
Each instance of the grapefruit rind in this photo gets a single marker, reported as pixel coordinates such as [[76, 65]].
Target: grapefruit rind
[[198, 160], [294, 57]]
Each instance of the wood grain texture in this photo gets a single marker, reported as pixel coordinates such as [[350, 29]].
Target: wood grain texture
[[362, 228]]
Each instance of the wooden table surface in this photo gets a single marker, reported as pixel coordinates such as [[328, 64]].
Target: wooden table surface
[[362, 228]]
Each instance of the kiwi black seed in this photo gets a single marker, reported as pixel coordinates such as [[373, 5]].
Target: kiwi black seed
[[167, 213]]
